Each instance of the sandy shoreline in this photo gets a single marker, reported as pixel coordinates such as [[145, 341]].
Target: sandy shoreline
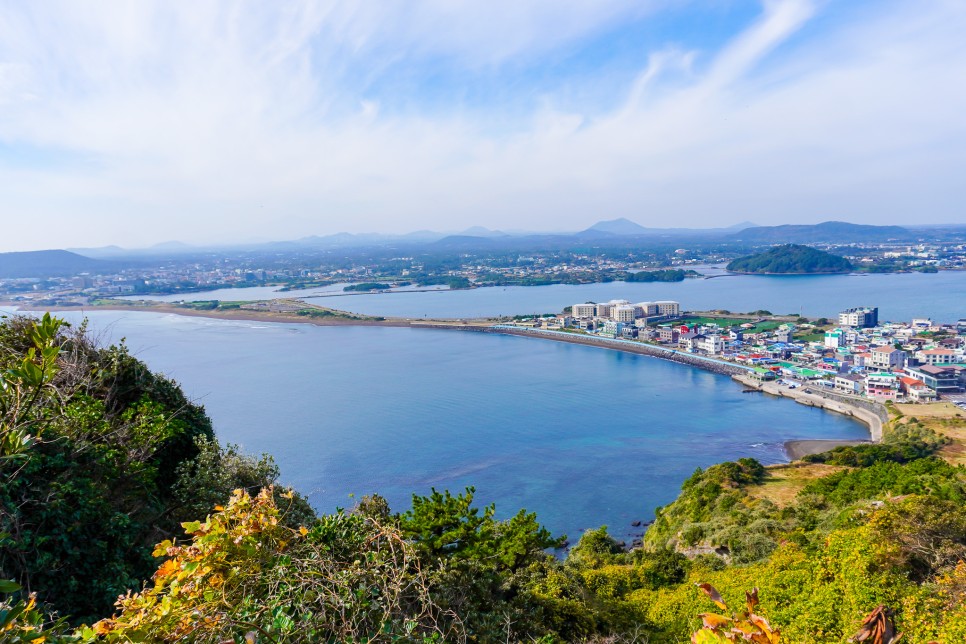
[[233, 314]]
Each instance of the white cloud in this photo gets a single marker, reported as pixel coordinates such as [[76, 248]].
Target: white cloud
[[149, 121]]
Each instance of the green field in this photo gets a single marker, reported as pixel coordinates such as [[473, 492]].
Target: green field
[[766, 325]]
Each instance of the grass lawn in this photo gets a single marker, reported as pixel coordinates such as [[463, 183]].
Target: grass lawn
[[943, 418], [784, 482]]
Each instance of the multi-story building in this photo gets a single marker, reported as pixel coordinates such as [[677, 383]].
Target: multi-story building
[[668, 334], [936, 356], [849, 383], [947, 379], [667, 307], [834, 339], [886, 358], [603, 310], [782, 334], [648, 309], [613, 328], [711, 344], [916, 390], [882, 386], [863, 318], [624, 314], [581, 311]]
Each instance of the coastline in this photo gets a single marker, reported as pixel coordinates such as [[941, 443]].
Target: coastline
[[233, 314], [794, 449], [837, 404]]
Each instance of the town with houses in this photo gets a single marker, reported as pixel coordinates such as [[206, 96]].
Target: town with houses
[[857, 354]]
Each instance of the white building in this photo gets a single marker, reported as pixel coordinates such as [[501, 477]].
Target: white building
[[624, 314], [711, 344], [581, 311], [863, 318], [886, 358], [667, 307], [604, 309], [648, 309]]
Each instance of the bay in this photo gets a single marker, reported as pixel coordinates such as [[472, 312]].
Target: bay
[[580, 435], [899, 296]]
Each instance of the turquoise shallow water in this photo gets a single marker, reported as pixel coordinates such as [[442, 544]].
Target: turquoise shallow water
[[582, 436]]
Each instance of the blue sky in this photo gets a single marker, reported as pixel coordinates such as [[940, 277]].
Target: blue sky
[[133, 123]]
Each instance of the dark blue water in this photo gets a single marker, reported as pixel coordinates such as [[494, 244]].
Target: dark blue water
[[582, 436], [941, 296]]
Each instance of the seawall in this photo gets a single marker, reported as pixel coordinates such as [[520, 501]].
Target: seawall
[[701, 362], [866, 411]]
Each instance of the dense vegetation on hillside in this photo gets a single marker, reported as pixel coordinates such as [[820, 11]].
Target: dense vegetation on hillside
[[791, 258], [367, 286], [669, 275], [101, 460]]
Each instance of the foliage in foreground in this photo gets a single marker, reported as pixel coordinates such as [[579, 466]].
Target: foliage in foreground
[[246, 575]]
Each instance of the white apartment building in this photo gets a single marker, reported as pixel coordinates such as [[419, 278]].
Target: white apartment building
[[604, 309], [667, 307], [648, 309], [863, 318], [624, 314], [581, 311]]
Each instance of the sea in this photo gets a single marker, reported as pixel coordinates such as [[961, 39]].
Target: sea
[[899, 296], [580, 435]]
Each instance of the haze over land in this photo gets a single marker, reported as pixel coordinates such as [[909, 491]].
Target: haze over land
[[135, 123]]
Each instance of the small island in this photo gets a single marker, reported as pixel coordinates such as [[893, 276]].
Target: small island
[[791, 259], [366, 287]]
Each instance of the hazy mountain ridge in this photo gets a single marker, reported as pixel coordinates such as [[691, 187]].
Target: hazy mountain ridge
[[827, 231], [49, 263], [622, 231]]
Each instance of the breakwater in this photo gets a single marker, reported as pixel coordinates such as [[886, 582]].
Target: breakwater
[[701, 362]]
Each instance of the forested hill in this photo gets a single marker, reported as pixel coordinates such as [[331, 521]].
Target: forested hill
[[49, 263], [791, 259]]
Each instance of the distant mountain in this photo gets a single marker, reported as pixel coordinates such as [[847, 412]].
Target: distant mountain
[[480, 231], [49, 263], [620, 226], [791, 259], [829, 231], [101, 252], [742, 226], [468, 242], [172, 245]]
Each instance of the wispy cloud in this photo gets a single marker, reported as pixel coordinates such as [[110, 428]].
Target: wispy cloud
[[136, 122]]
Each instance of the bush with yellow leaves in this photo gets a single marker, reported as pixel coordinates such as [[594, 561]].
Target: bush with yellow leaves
[[247, 577]]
